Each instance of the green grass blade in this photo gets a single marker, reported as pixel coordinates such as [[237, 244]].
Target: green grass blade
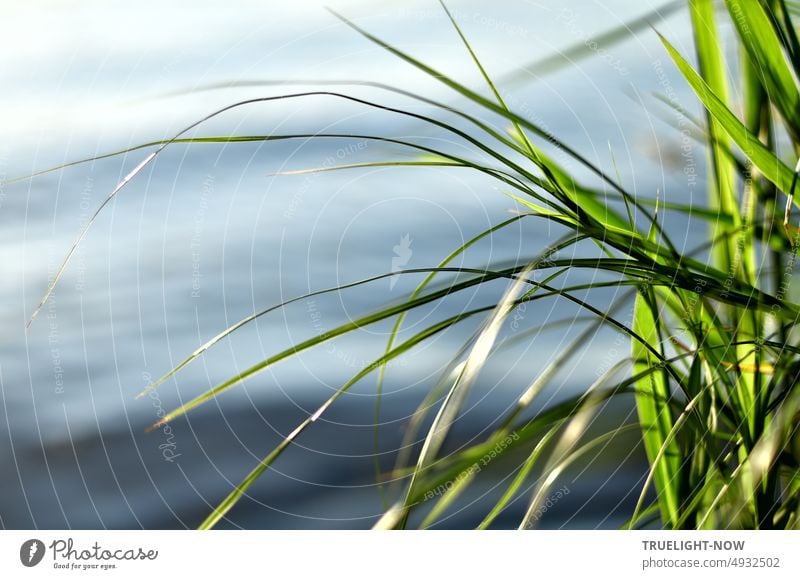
[[763, 45], [466, 376], [520, 478], [399, 322], [246, 320], [652, 401], [540, 496], [722, 172], [772, 167]]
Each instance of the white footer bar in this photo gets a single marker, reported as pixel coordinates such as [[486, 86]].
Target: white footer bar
[[407, 555]]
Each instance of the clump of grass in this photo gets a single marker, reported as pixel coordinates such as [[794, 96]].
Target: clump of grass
[[714, 360]]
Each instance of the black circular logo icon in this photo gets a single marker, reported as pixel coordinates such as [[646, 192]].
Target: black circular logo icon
[[31, 552]]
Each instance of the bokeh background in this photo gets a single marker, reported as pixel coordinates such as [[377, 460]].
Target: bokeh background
[[206, 235]]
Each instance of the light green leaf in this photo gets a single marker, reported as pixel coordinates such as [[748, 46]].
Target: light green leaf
[[772, 167]]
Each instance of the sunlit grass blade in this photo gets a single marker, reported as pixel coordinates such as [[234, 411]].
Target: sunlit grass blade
[[529, 520], [520, 478], [51, 285], [433, 395], [573, 431], [736, 255], [722, 175], [467, 374], [652, 402], [399, 322], [668, 445], [763, 45], [773, 168]]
